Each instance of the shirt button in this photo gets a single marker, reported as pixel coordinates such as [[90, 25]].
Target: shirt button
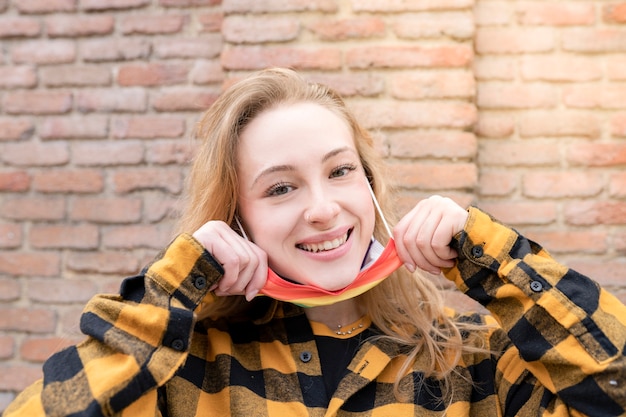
[[199, 283], [177, 344], [306, 356], [536, 286], [477, 251]]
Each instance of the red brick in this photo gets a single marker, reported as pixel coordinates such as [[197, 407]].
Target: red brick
[[499, 95], [70, 319], [169, 152], [614, 13], [37, 102], [561, 68], [351, 28], [106, 210], [42, 264], [617, 185], [261, 29], [354, 84], [491, 13], [38, 349], [381, 113], [616, 67], [153, 24], [556, 14], [514, 40], [74, 127], [594, 96], [148, 127], [127, 100], [16, 129], [495, 68], [10, 289], [522, 212], [63, 237], [499, 182], [128, 180], [7, 347], [107, 153], [447, 56], [103, 262], [18, 377], [272, 6], [92, 5], [197, 47], [560, 123], [154, 74], [31, 208], [494, 125], [69, 181], [443, 84], [605, 272], [512, 153], [103, 50], [254, 58], [18, 77], [594, 40], [207, 72], [187, 99], [189, 3], [597, 154], [61, 291], [44, 52], [131, 237], [409, 5], [76, 76], [211, 22], [618, 123], [19, 27], [455, 25], [35, 154], [10, 237], [33, 320], [549, 184], [161, 208], [434, 176], [14, 181], [570, 241], [432, 145], [76, 26], [595, 212], [45, 6]]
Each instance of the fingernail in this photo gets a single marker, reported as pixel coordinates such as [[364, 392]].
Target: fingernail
[[410, 267], [251, 295]]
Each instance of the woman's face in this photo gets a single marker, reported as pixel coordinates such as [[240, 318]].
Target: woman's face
[[303, 195]]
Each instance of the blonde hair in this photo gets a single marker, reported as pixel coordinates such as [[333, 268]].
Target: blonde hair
[[407, 308]]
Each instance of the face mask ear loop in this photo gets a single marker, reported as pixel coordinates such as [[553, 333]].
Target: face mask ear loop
[[378, 209], [243, 232]]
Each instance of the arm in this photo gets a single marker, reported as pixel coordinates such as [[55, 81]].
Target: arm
[[136, 341], [566, 330]]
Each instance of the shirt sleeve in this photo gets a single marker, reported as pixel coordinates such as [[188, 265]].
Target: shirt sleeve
[[567, 333], [136, 341]]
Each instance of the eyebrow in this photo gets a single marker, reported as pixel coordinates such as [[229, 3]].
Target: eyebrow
[[288, 168]]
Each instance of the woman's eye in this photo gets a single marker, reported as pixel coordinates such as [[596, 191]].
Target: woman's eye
[[279, 189], [342, 171]]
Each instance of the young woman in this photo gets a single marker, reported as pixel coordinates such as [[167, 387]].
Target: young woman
[[285, 295]]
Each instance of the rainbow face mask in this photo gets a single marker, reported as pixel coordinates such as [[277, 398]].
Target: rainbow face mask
[[379, 263]]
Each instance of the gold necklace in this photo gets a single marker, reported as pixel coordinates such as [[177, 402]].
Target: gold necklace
[[347, 332]]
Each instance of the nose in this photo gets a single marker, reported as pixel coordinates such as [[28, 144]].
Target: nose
[[322, 210]]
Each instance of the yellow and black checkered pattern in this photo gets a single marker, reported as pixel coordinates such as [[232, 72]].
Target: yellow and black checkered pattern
[[558, 349]]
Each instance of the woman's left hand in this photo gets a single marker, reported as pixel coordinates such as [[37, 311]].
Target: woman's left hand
[[423, 235]]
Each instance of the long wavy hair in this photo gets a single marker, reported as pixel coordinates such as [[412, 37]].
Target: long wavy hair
[[407, 308]]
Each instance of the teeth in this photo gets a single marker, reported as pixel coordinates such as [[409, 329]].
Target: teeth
[[327, 245]]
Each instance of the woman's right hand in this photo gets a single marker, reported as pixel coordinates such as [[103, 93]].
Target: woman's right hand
[[245, 264]]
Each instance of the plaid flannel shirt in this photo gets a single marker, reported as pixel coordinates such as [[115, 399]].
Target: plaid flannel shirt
[[558, 348]]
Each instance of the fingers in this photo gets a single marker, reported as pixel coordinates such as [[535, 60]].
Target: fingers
[[245, 264], [424, 234]]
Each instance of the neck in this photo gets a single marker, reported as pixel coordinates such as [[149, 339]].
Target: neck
[[339, 314]]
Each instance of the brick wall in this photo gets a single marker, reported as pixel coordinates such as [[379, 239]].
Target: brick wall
[[518, 106]]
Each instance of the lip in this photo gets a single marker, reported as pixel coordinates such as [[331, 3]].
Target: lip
[[341, 236]]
